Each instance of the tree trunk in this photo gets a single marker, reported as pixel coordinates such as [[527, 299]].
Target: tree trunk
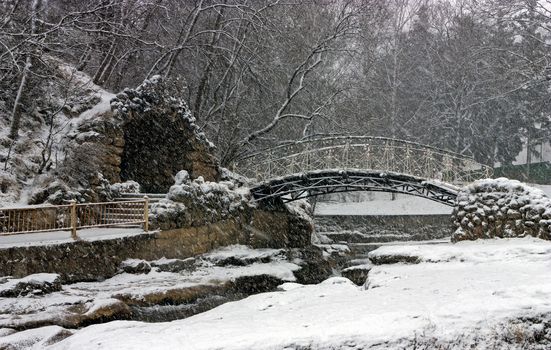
[[16, 113]]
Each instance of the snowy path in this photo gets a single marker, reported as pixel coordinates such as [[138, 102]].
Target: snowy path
[[57, 237]]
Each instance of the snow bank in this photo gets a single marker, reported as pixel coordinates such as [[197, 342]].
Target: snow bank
[[480, 302], [197, 202], [484, 251], [37, 338], [501, 208]]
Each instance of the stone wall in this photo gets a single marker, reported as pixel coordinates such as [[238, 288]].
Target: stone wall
[[501, 208], [281, 228], [99, 259], [383, 228], [196, 217]]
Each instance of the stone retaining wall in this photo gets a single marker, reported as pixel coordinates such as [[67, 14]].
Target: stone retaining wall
[[501, 208], [383, 228], [100, 259]]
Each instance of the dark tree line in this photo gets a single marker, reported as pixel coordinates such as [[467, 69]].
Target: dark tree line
[[471, 76]]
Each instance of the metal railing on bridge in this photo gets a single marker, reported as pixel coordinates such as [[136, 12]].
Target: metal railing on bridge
[[73, 216], [362, 152]]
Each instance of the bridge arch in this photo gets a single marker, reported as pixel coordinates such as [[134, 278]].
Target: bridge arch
[[298, 186], [358, 163]]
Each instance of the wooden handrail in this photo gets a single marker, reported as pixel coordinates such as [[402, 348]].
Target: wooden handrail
[[73, 216]]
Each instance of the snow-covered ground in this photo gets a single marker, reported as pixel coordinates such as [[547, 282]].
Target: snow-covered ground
[[458, 294]]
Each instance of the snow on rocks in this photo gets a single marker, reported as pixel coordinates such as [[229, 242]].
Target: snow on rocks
[[501, 208], [240, 255], [152, 93], [135, 266], [40, 283], [125, 187], [174, 265], [478, 302], [12, 191], [197, 202], [194, 285], [491, 250], [357, 273]]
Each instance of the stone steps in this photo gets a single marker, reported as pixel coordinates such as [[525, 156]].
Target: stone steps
[[153, 197]]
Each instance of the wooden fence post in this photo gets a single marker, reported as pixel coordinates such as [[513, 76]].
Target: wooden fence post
[[146, 213], [74, 219]]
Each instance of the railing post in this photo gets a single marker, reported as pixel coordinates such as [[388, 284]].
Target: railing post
[[146, 213], [74, 219], [345, 156]]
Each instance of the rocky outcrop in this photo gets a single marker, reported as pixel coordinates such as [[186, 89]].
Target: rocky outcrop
[[193, 203], [314, 267], [393, 258], [145, 134], [357, 274], [36, 284], [174, 265], [501, 208], [136, 266], [160, 136]]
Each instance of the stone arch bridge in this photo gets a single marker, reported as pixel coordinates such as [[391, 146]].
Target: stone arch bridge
[[358, 163]]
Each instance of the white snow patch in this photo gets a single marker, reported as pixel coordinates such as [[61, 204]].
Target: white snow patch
[[100, 304], [241, 252], [482, 251], [37, 338], [359, 267], [382, 204]]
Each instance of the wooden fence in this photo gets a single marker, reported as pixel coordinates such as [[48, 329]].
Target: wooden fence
[[73, 216]]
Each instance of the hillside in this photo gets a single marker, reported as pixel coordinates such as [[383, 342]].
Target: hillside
[[83, 144]]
